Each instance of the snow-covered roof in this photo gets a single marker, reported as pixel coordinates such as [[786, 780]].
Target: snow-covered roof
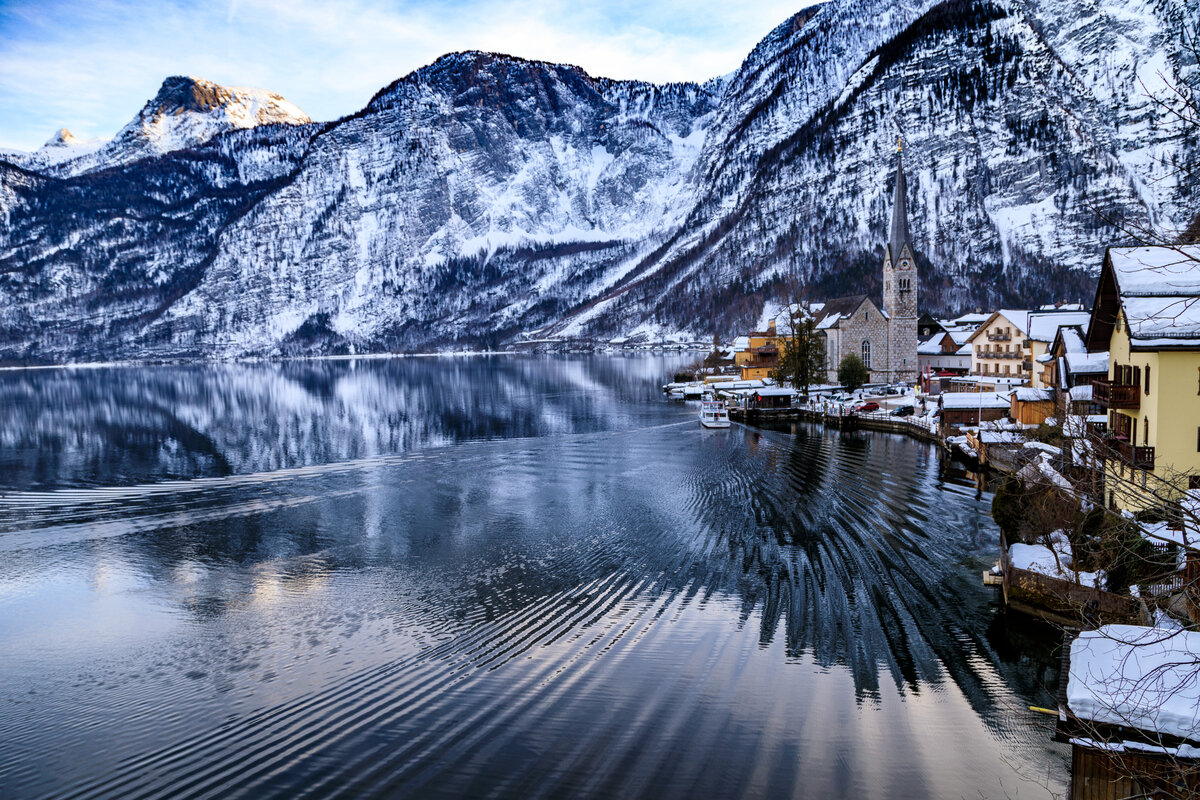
[[1079, 360], [1027, 394], [1137, 677], [970, 319], [930, 347], [1162, 320], [1043, 325], [962, 336], [741, 343], [774, 391], [973, 400], [1017, 317], [1159, 291], [1157, 271], [1081, 393]]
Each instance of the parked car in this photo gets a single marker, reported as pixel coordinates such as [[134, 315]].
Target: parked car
[[903, 411], [839, 397], [864, 408]]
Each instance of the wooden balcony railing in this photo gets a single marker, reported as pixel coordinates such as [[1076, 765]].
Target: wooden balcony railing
[[999, 337], [1106, 393], [1136, 457]]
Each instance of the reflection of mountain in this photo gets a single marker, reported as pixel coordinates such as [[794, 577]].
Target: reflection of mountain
[[604, 613], [133, 425]]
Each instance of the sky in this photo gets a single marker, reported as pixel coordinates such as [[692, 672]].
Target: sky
[[89, 65]]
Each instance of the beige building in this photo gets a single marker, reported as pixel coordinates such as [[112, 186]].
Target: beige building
[[1147, 316], [999, 347]]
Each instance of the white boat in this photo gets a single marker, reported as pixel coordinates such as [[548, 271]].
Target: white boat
[[713, 414], [693, 391]]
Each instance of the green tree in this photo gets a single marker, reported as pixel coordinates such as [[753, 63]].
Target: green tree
[[803, 357], [852, 373]]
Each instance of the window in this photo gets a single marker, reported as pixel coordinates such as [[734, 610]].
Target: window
[[866, 314], [1193, 481], [1147, 380], [1145, 430], [866, 354]]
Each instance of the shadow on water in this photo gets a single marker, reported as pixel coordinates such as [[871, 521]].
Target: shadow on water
[[855, 555], [503, 576]]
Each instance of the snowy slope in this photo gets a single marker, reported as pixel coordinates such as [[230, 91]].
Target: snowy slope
[[485, 199]]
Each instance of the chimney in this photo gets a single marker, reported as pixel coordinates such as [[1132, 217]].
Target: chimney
[[771, 328]]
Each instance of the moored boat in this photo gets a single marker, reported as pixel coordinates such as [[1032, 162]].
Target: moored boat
[[713, 414]]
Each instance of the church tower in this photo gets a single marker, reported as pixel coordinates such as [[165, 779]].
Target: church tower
[[900, 286]]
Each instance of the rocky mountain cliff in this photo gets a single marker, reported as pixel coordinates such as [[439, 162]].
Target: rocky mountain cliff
[[485, 199]]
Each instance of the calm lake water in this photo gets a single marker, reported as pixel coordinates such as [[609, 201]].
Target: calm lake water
[[514, 577]]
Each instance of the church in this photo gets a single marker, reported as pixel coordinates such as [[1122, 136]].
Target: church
[[885, 339]]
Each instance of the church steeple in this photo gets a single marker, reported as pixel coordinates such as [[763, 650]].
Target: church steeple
[[901, 284], [899, 232]]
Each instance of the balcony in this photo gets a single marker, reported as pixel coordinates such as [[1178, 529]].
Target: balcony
[[1027, 365], [1112, 395], [1136, 457], [997, 354], [999, 337]]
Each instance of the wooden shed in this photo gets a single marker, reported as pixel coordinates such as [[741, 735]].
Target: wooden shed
[[1031, 406], [965, 409]]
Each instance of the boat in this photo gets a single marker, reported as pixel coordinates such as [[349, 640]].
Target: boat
[[713, 414]]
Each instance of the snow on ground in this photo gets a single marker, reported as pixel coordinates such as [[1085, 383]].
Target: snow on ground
[[1055, 563]]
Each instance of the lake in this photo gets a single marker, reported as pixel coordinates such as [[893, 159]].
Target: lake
[[494, 576]]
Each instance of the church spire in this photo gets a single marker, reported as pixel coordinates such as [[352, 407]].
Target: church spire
[[899, 232]]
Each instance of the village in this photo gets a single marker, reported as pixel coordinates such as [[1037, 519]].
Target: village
[[1088, 419]]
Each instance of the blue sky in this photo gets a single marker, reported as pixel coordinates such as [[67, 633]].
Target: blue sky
[[89, 65]]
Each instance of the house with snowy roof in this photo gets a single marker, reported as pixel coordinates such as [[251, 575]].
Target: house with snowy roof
[[945, 353], [1043, 329], [1146, 316], [998, 346], [1129, 705], [1069, 369]]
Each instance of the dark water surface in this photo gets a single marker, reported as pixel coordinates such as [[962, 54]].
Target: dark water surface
[[488, 577]]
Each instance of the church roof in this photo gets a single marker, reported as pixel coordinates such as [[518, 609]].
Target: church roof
[[835, 310], [899, 236]]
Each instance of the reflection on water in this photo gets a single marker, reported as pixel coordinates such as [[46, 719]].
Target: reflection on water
[[510, 577]]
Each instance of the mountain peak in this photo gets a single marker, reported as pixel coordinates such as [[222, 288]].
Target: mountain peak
[[63, 138], [228, 107]]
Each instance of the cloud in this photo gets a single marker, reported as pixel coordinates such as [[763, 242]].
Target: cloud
[[90, 64]]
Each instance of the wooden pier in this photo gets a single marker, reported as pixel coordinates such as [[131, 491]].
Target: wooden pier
[[848, 421]]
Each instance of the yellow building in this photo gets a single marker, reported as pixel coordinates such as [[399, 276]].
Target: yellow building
[[1147, 316], [759, 358]]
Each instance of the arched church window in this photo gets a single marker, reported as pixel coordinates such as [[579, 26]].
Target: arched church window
[[866, 353]]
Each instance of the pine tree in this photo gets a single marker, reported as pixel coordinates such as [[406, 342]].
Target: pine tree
[[852, 373]]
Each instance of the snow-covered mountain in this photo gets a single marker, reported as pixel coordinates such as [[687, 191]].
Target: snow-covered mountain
[[486, 199], [185, 113]]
